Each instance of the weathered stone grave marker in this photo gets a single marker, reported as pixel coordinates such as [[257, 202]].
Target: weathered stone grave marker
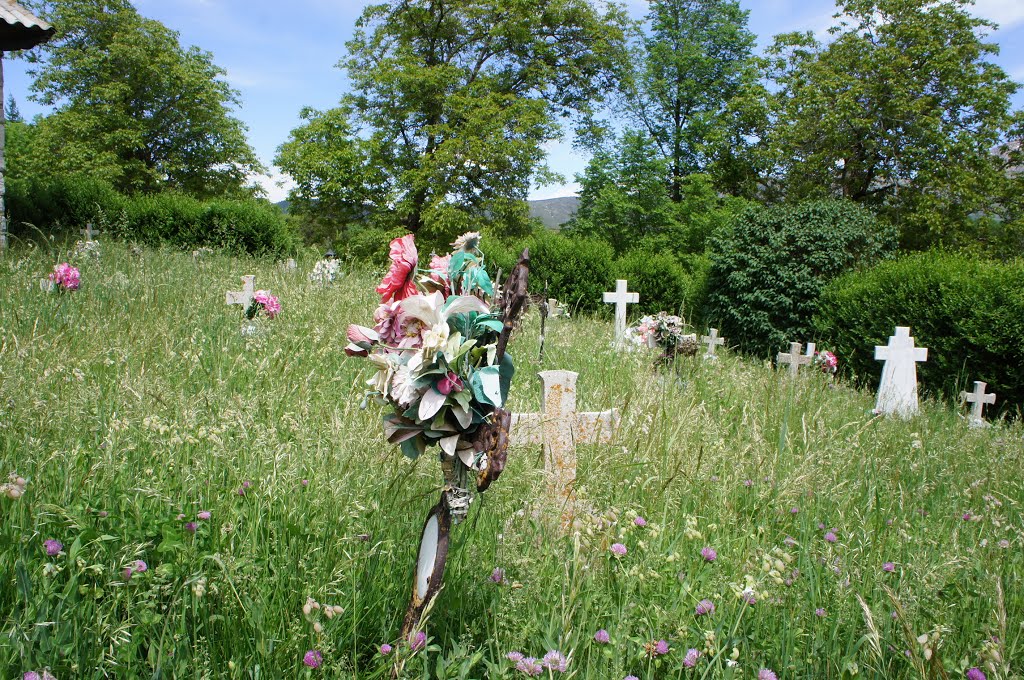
[[559, 427], [712, 341], [794, 358], [89, 233], [621, 298], [897, 392], [978, 399], [242, 297]]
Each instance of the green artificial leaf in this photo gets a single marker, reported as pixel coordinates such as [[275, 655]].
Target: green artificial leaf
[[489, 322], [489, 381], [506, 369], [414, 447]]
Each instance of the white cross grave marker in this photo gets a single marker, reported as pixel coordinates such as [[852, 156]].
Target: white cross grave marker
[[242, 297], [712, 341], [897, 392], [978, 399], [88, 232], [559, 427], [810, 350], [794, 358], [621, 297]]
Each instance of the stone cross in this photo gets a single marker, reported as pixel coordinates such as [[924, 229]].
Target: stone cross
[[621, 297], [712, 341], [794, 358], [897, 392], [242, 297], [290, 265], [978, 399], [560, 427], [88, 232]]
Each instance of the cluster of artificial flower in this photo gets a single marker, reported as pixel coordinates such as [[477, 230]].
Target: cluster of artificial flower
[[434, 347], [826, 362], [83, 248], [663, 331], [64, 277], [325, 271], [263, 301]]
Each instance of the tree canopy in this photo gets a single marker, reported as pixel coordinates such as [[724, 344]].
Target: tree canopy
[[133, 106]]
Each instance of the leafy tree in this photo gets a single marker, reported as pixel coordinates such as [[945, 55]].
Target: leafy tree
[[134, 107], [451, 102], [899, 112], [691, 66]]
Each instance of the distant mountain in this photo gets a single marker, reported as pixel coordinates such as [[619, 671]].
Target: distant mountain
[[283, 205], [554, 212]]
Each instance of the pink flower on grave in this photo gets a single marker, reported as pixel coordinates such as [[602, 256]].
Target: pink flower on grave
[[52, 546], [709, 554], [203, 514], [704, 607], [268, 302], [439, 272], [618, 549], [450, 383], [690, 660], [602, 637], [385, 649], [640, 521], [65, 276], [400, 280], [313, 658], [361, 340]]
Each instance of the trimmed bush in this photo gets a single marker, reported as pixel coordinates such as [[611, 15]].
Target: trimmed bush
[[578, 270], [372, 245], [968, 312], [60, 203], [660, 280], [769, 267]]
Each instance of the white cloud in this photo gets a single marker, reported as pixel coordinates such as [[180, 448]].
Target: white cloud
[[276, 184], [1006, 13]]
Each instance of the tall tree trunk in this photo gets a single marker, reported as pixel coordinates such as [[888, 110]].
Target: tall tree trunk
[[3, 161]]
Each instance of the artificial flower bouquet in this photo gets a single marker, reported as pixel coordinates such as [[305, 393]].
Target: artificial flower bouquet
[[325, 271], [64, 277], [826, 362], [665, 332], [438, 344], [263, 301]]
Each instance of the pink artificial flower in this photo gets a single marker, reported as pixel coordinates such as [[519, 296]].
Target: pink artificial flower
[[270, 304], [439, 272], [66, 276], [361, 339], [450, 383], [400, 280]]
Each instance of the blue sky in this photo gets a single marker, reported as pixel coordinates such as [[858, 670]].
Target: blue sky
[[281, 59]]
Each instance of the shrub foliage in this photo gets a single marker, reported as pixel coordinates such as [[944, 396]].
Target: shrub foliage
[[968, 312]]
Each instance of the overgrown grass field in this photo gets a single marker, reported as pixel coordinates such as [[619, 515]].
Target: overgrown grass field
[[136, 403]]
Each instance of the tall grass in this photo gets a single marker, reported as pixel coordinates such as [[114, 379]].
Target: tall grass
[[135, 403]]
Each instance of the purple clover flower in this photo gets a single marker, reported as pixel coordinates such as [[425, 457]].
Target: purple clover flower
[[313, 658], [385, 649], [975, 674], [618, 549], [555, 661], [498, 575], [190, 527], [529, 666], [831, 537], [766, 674], [514, 657], [704, 607], [690, 660], [418, 641], [602, 637], [820, 613], [52, 546], [661, 648], [203, 514], [640, 521], [709, 554], [889, 567]]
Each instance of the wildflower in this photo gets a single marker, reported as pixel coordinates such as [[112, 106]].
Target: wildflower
[[514, 657], [529, 666], [498, 575], [241, 491], [794, 510], [831, 537], [889, 566], [820, 613], [640, 521], [690, 660], [418, 641], [708, 554], [385, 649], [400, 280], [631, 677], [618, 549], [313, 658], [102, 514], [659, 648], [748, 483], [790, 541], [1004, 544], [602, 636], [127, 573], [203, 514], [704, 607], [305, 482], [766, 674], [52, 546], [190, 527], [975, 674], [30, 675], [555, 661], [967, 517]]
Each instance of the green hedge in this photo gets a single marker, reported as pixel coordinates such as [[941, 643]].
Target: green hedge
[[68, 203], [770, 266], [968, 312], [577, 270]]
